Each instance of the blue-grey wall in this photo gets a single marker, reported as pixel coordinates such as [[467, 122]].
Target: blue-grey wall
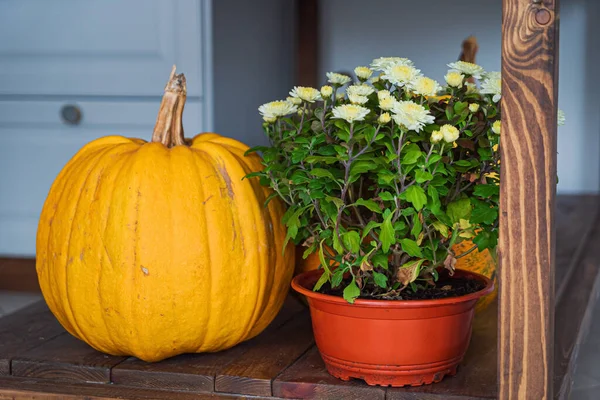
[[430, 33]]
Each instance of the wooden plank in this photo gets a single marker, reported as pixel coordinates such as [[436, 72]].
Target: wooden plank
[[65, 358], [24, 330], [32, 389], [476, 377], [253, 373], [574, 311], [18, 274], [527, 198], [307, 36], [307, 378], [194, 372]]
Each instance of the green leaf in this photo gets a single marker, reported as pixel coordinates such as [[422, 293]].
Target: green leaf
[[338, 202], [486, 240], [422, 176], [416, 195], [433, 159], [370, 204], [387, 234], [462, 163], [459, 209], [337, 277], [380, 260], [410, 154], [369, 227], [321, 173], [411, 248], [324, 278], [417, 226], [309, 250], [351, 241], [337, 246], [441, 228], [386, 196], [487, 190], [360, 167], [380, 279], [351, 292], [483, 213], [322, 258]]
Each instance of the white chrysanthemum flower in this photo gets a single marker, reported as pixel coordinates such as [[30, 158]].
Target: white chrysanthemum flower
[[340, 96], [473, 107], [308, 94], [326, 91], [360, 90], [294, 100], [277, 109], [350, 112], [357, 99], [496, 127], [411, 115], [492, 84], [471, 88], [401, 75], [425, 86], [375, 79], [387, 103], [436, 136], [561, 119], [363, 73], [383, 94], [381, 63], [338, 79], [467, 68], [449, 132], [454, 79], [384, 118]]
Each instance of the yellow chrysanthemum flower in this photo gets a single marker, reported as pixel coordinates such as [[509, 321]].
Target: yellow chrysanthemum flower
[[294, 100], [425, 86], [454, 79], [387, 103], [357, 99], [363, 73], [401, 75], [384, 118], [326, 91], [350, 112], [307, 94], [496, 127], [436, 136], [338, 79], [449, 132], [277, 109], [473, 107], [467, 68], [411, 115], [360, 90]]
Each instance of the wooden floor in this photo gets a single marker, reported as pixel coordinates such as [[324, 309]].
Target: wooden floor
[[38, 357]]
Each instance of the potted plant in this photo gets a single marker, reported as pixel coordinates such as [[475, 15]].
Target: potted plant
[[382, 177]]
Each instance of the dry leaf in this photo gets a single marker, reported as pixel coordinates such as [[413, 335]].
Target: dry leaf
[[446, 288], [450, 263]]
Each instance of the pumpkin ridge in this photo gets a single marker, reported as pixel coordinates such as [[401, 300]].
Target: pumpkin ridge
[[90, 163], [52, 292]]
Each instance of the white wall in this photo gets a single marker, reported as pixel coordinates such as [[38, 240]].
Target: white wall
[[430, 33], [253, 63]]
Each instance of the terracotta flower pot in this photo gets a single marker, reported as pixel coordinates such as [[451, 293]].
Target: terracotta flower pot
[[391, 342]]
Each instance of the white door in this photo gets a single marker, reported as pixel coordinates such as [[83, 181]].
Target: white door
[[72, 71]]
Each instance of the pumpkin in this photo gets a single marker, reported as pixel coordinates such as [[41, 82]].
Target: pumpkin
[[480, 262], [153, 249]]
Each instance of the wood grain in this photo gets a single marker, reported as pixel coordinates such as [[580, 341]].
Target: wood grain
[[527, 199], [307, 45], [18, 274], [307, 378], [196, 372], [24, 330], [253, 373], [574, 311], [67, 359]]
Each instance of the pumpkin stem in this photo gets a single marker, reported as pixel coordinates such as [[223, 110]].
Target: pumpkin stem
[[169, 127]]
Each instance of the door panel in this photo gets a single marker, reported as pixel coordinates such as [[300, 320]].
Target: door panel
[[99, 47], [36, 144]]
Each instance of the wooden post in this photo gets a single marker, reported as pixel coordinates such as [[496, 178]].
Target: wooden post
[[527, 198], [307, 42]]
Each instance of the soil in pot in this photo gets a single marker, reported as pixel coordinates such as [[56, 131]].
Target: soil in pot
[[446, 286]]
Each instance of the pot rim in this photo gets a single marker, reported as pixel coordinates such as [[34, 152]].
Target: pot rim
[[297, 285]]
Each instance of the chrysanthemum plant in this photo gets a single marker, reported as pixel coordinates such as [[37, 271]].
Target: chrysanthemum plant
[[383, 177]]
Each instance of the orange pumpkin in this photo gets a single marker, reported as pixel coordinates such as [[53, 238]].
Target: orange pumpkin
[[154, 249]]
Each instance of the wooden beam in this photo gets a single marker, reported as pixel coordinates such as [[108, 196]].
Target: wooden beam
[[307, 43], [527, 198]]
